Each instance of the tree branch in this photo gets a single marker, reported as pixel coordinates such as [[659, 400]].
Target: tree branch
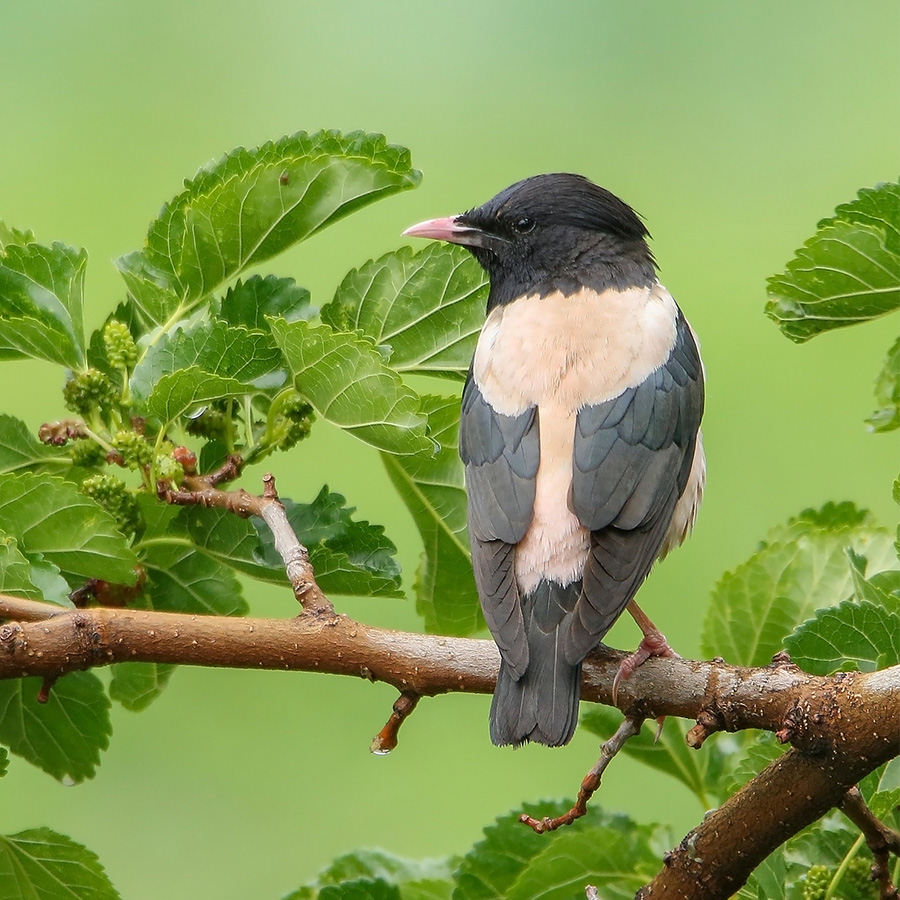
[[841, 727]]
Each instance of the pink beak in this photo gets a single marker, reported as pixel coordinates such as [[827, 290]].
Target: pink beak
[[446, 229]]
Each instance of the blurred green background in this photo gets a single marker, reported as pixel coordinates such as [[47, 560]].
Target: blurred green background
[[732, 127]]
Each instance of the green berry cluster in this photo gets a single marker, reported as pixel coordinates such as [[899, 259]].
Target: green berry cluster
[[212, 423], [87, 454], [89, 391], [114, 496], [816, 882], [121, 350], [857, 883], [299, 417], [134, 449], [169, 469]]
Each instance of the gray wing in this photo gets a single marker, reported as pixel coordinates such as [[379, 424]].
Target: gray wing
[[632, 458], [501, 454]]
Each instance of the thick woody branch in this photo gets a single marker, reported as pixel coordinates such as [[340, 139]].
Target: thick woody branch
[[841, 727]]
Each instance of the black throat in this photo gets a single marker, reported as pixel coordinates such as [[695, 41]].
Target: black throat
[[607, 263]]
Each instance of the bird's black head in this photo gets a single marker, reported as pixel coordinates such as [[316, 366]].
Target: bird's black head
[[550, 233]]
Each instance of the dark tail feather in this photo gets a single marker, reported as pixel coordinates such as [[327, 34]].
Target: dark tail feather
[[542, 705]]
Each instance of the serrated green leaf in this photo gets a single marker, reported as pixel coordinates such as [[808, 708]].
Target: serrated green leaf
[[64, 736], [15, 571], [180, 579], [4, 761], [10, 235], [750, 760], [425, 880], [362, 889], [617, 857], [19, 448], [150, 289], [426, 308], [853, 635], [248, 302], [433, 489], [887, 393], [253, 204], [41, 303], [848, 272], [216, 348], [879, 589], [40, 864], [347, 381], [701, 772], [768, 881], [801, 567], [883, 804], [187, 389], [137, 685], [53, 518], [489, 870]]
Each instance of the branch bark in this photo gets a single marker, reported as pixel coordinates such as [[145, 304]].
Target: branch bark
[[841, 727]]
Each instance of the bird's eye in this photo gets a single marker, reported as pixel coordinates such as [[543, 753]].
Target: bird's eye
[[523, 225]]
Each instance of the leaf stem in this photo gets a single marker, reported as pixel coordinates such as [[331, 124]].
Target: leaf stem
[[842, 868]]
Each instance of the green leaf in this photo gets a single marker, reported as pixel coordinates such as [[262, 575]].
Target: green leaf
[[769, 879], [489, 870], [40, 864], [51, 517], [853, 635], [41, 302], [701, 772], [10, 235], [15, 571], [137, 685], [883, 804], [847, 272], [19, 448], [217, 349], [64, 736], [187, 389], [617, 857], [433, 489], [4, 761], [180, 579], [887, 393], [753, 758], [361, 889], [150, 290], [426, 880], [253, 204], [802, 566], [347, 381], [249, 302], [425, 308]]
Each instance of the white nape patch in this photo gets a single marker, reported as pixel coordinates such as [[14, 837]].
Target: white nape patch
[[562, 353]]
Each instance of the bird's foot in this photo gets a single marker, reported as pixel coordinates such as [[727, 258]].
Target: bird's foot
[[653, 643]]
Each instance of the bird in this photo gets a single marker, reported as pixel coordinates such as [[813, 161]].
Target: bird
[[579, 433]]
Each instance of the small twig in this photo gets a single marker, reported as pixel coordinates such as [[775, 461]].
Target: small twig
[[880, 839], [46, 686], [630, 727], [201, 490], [708, 723], [386, 739]]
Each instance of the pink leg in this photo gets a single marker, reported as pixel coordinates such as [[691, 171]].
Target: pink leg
[[653, 644]]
